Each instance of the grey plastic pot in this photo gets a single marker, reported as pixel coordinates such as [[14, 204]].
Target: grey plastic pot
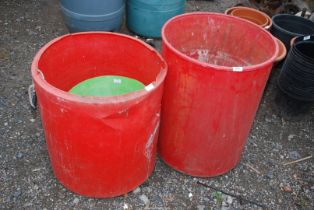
[[93, 15]]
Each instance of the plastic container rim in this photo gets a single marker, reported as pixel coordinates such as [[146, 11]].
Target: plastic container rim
[[88, 17], [38, 76], [269, 20], [301, 53], [261, 14], [284, 30], [218, 67], [158, 2], [282, 55]]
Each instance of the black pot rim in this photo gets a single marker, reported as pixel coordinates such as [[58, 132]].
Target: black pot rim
[[292, 16], [301, 39], [301, 53]]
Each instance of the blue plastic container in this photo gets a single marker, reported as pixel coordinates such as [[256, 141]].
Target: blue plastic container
[[146, 17], [93, 15]]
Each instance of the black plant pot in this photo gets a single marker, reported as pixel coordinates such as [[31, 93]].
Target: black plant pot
[[296, 78], [285, 27]]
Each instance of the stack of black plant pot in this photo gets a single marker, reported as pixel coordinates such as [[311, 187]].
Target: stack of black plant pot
[[296, 79]]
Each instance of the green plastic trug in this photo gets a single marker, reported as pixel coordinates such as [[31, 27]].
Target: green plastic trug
[[107, 86]]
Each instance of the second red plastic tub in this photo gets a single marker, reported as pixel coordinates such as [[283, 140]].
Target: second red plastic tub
[[99, 146], [218, 69]]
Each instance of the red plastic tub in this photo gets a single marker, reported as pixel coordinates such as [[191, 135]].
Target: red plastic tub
[[218, 69], [99, 146]]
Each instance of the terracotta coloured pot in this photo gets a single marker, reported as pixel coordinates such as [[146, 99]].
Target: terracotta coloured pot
[[253, 15], [282, 51], [293, 40], [229, 10]]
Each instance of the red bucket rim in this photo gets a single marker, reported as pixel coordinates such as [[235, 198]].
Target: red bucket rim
[[38, 76], [218, 67]]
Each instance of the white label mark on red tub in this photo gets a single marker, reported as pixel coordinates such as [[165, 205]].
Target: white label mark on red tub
[[237, 69], [149, 87]]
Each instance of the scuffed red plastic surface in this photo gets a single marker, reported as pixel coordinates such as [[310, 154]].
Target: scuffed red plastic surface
[[99, 146], [208, 107]]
